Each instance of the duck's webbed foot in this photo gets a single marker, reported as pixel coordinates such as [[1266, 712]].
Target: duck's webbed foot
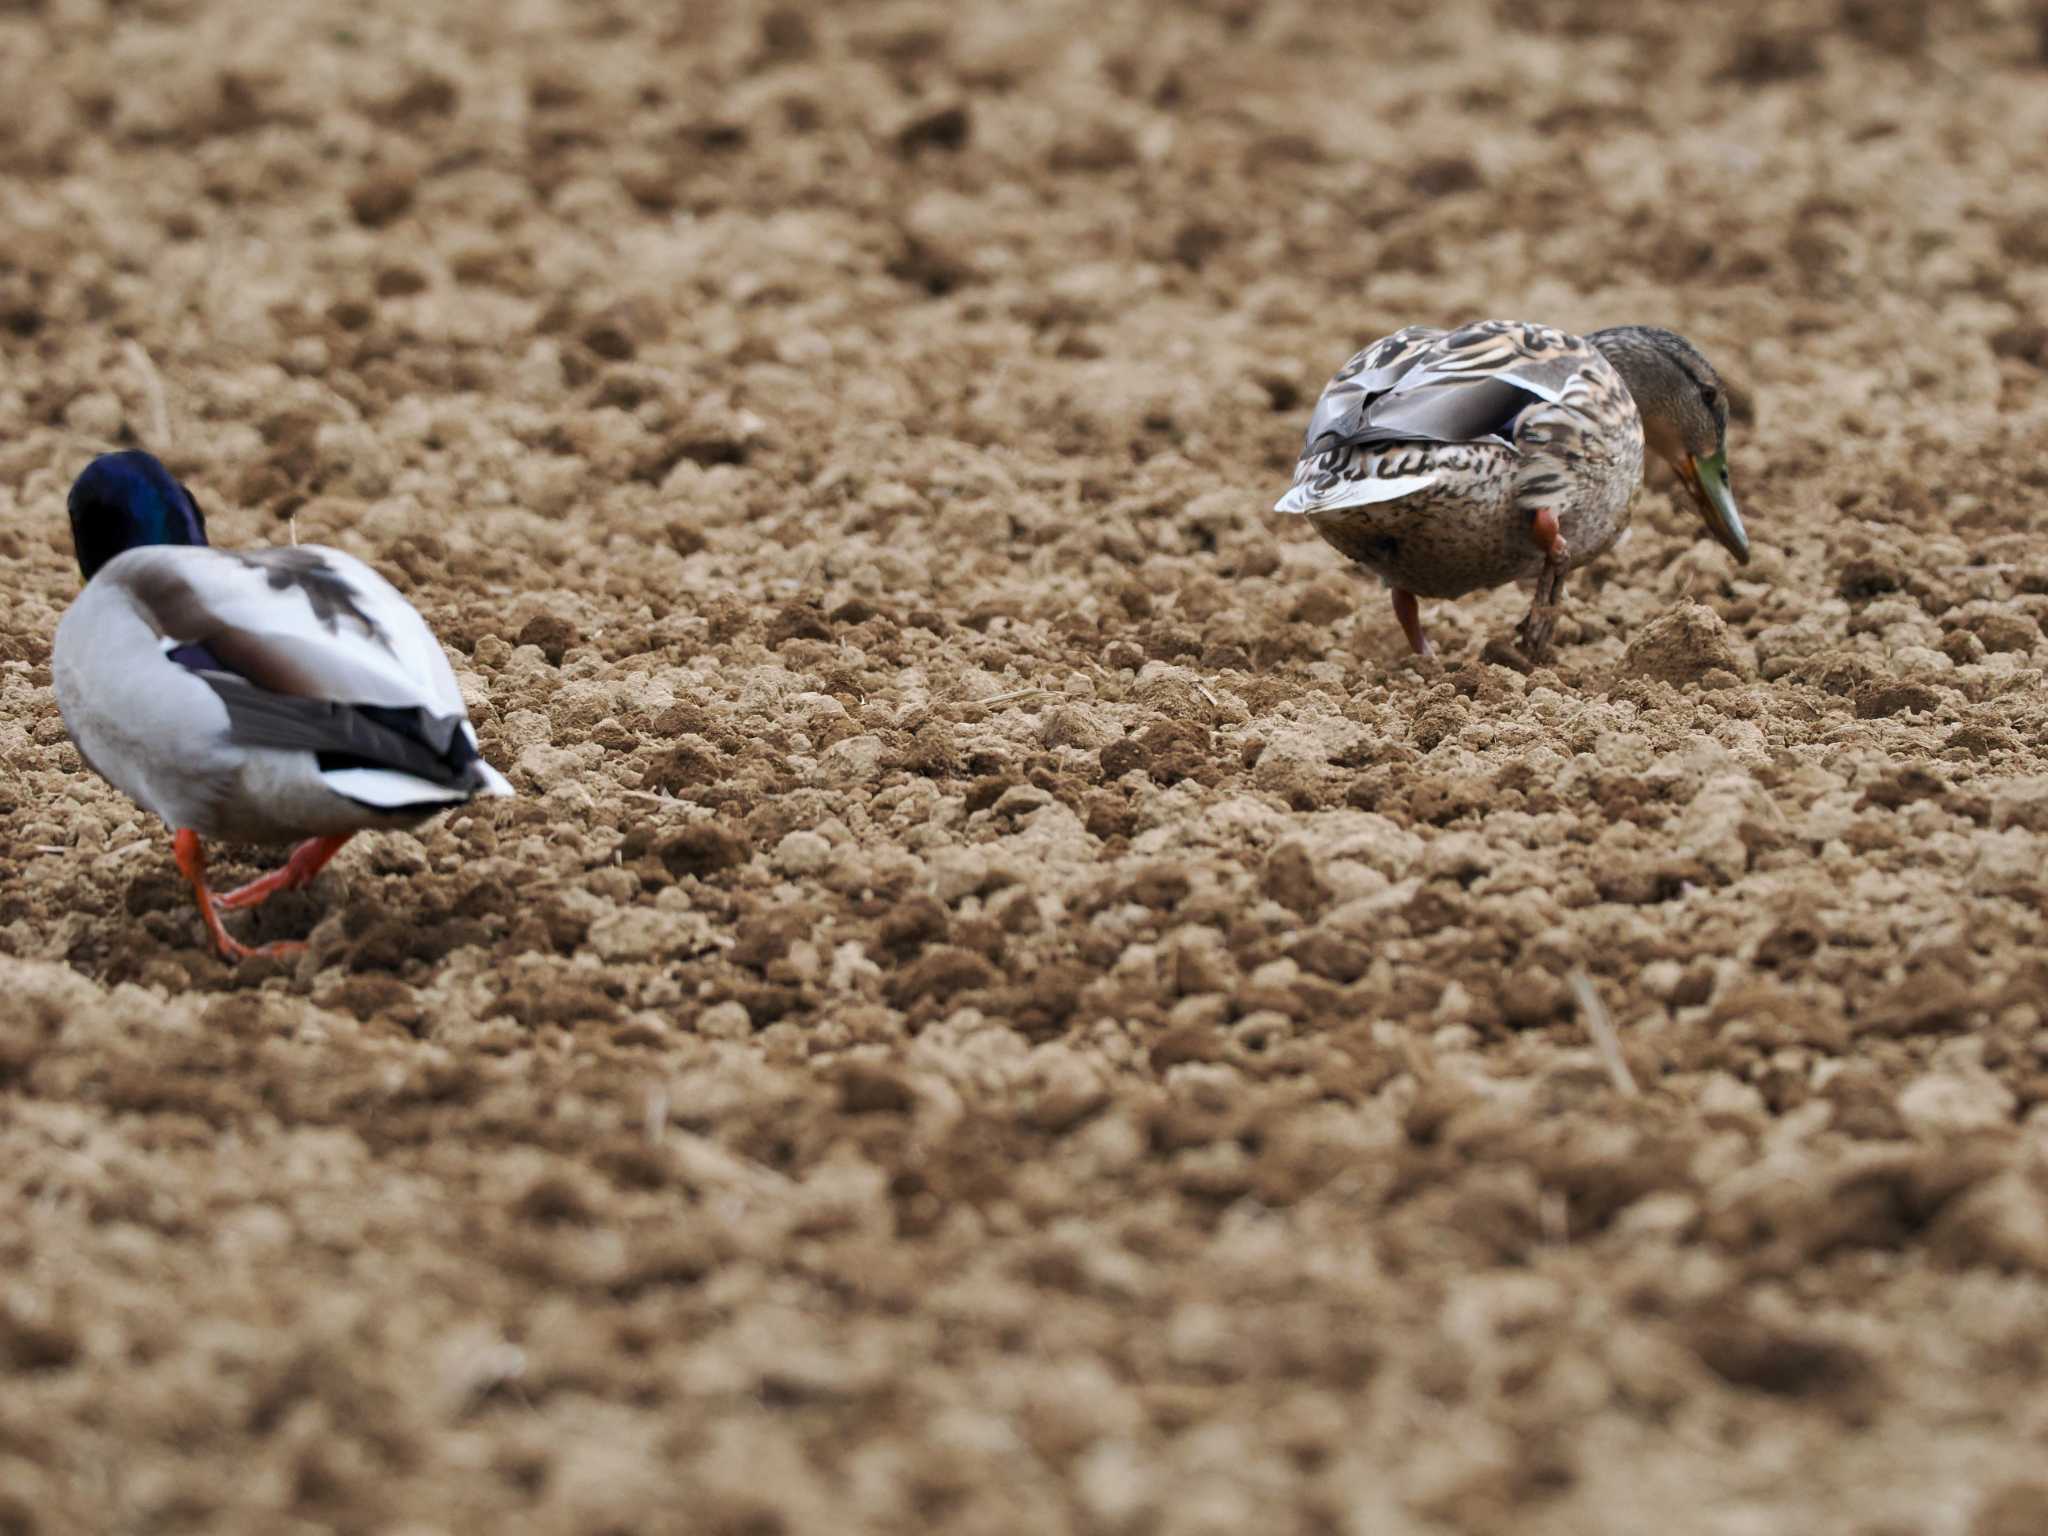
[[191, 854], [1533, 634]]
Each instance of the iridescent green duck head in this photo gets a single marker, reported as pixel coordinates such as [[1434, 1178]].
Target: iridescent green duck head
[[1685, 418]]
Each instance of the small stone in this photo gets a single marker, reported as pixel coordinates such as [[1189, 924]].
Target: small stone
[[1460, 856], [725, 1021], [1175, 691], [856, 760], [1117, 1484], [381, 198], [1079, 725], [1880, 701], [1683, 646], [869, 1088], [1953, 1103], [633, 933], [1661, 978], [960, 872], [97, 415], [1304, 753], [1368, 838], [1726, 1097], [1729, 813], [702, 850], [2006, 631], [2002, 1221], [1322, 604], [1332, 956], [522, 728], [2008, 863], [802, 853], [1066, 1088], [1290, 878], [553, 635]]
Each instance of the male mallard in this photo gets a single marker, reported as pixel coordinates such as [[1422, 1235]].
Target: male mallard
[[261, 696], [1450, 461]]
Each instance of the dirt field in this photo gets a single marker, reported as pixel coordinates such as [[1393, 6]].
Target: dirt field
[[1008, 1002]]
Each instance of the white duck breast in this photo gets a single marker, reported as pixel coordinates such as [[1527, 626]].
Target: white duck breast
[[264, 695]]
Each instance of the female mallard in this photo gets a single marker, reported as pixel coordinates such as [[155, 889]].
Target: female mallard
[[261, 696], [1450, 461]]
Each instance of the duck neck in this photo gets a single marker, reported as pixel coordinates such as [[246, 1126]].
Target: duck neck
[[1648, 361], [1638, 355]]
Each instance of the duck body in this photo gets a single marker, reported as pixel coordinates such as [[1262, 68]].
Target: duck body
[[165, 719], [1449, 461], [277, 695], [1542, 419]]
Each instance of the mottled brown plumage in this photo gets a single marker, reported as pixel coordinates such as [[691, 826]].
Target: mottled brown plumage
[[1447, 462]]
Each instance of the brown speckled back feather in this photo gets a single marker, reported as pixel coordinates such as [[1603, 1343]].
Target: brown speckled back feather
[[1430, 451]]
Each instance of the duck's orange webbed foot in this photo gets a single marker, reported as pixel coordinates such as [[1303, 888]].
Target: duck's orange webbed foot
[[191, 856]]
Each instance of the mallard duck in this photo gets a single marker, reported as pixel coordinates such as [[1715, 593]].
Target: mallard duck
[[1448, 461], [261, 696]]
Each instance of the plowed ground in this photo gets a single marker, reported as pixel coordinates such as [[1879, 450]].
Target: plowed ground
[[1007, 1001]]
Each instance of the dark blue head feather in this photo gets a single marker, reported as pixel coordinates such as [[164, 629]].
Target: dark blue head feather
[[125, 500]]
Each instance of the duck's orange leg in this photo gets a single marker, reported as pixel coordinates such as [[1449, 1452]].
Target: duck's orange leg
[[307, 860], [1409, 612], [191, 858], [1534, 633]]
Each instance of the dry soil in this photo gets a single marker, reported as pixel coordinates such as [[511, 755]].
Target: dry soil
[[1007, 1001]]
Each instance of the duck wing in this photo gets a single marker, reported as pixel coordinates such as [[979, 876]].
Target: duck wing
[[307, 621], [311, 650], [1422, 390], [1429, 386], [1346, 402]]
